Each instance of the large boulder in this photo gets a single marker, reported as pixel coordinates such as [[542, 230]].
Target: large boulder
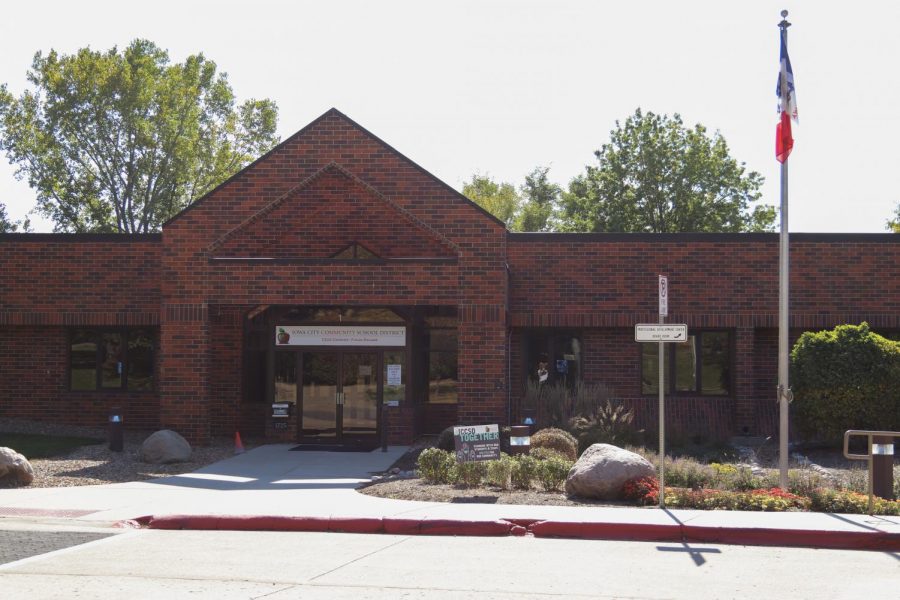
[[603, 469], [15, 466], [165, 446]]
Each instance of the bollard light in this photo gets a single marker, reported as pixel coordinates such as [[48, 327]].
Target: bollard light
[[519, 439]]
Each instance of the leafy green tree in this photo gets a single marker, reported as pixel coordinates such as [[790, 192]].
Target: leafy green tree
[[894, 224], [499, 199], [121, 141], [5, 223], [540, 197], [656, 175], [7, 226]]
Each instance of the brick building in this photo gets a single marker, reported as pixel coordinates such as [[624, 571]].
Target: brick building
[[337, 277]]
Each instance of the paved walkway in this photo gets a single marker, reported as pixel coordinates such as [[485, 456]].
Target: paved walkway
[[282, 489]]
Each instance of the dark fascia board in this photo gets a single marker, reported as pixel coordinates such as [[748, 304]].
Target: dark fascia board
[[329, 112], [704, 237], [80, 237]]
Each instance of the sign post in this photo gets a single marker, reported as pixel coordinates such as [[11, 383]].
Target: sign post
[[662, 334]]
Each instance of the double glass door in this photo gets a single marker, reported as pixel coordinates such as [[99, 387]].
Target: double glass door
[[338, 396]]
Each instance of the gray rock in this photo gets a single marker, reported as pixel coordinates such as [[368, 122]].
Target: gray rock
[[603, 469], [15, 466], [164, 447]]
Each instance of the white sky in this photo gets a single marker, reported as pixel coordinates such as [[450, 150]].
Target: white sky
[[500, 87]]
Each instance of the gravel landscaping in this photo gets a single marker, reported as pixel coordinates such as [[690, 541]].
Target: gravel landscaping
[[97, 464]]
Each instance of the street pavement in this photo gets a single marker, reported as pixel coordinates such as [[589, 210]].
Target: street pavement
[[221, 565], [283, 488]]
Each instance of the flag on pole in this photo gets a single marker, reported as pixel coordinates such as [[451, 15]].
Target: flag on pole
[[787, 104]]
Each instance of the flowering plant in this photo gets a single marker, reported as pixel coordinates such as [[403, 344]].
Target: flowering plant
[[643, 490]]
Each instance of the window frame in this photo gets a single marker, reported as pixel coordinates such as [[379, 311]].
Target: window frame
[[428, 353], [552, 334], [670, 366], [125, 333]]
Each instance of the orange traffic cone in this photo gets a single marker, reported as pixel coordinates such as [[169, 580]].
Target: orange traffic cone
[[238, 446]]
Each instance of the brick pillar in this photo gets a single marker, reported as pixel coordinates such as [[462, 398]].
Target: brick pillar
[[183, 392], [482, 365], [744, 401]]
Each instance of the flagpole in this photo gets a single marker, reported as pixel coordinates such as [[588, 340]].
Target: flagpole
[[784, 390]]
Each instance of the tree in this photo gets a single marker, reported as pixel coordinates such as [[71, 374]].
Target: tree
[[539, 200], [894, 224], [656, 175], [499, 199], [7, 226], [120, 142]]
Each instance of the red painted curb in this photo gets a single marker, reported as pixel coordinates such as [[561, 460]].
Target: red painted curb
[[838, 540], [639, 532], [400, 526]]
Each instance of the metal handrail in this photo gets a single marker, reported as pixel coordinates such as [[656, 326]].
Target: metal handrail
[[867, 457]]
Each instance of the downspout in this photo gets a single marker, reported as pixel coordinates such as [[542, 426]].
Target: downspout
[[508, 354]]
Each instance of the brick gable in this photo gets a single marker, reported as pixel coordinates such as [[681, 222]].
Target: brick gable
[[325, 214]]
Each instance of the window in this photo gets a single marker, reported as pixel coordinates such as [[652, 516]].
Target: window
[[701, 365], [553, 357], [442, 366], [111, 359]]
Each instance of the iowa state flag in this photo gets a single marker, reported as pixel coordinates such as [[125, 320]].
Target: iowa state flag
[[787, 104]]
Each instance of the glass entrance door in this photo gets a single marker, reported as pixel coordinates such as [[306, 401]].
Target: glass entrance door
[[339, 401], [319, 419], [359, 396]]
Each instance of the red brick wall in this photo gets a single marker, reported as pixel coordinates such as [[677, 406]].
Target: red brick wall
[[85, 279], [325, 215], [34, 384], [721, 280]]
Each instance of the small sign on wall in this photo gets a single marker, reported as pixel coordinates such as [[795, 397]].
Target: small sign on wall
[[477, 442], [394, 374]]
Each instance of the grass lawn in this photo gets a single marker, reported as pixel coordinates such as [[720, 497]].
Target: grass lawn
[[42, 446]]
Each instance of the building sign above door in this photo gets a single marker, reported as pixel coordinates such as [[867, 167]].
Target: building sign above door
[[339, 335]]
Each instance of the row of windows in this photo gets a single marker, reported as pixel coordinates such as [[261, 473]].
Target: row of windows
[[701, 365], [111, 359]]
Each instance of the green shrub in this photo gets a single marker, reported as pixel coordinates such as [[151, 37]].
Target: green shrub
[[833, 501], [436, 465], [845, 378], [470, 474], [556, 439], [686, 472], [445, 440], [545, 453], [524, 471], [499, 472], [552, 472]]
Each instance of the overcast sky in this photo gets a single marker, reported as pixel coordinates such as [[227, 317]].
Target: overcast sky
[[500, 87]]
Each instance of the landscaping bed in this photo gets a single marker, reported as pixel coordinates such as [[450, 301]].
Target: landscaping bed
[[746, 483], [66, 462]]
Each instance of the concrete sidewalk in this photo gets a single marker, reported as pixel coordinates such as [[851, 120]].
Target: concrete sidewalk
[[273, 488]]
